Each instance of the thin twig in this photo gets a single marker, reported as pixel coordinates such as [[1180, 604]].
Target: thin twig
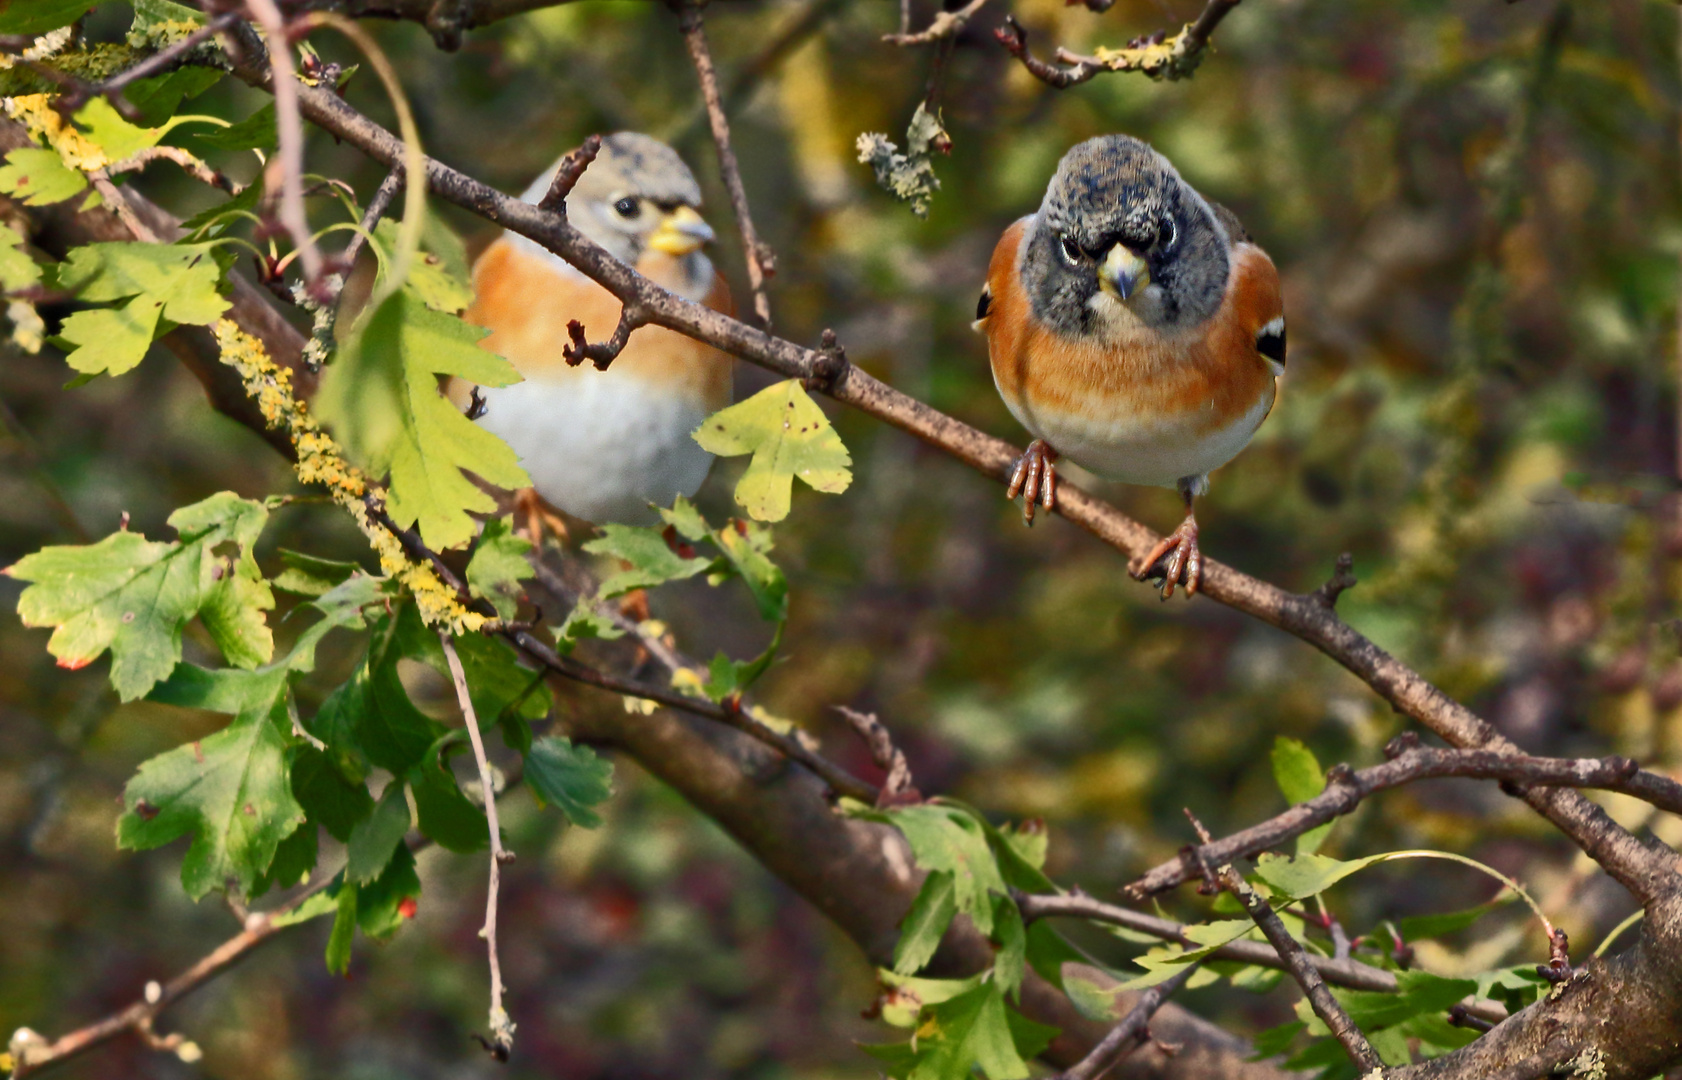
[[1345, 790], [945, 24], [1131, 1033], [288, 162], [897, 788], [566, 177], [1156, 55], [113, 87], [761, 263], [1297, 963], [502, 1028], [1346, 972], [371, 215], [191, 165], [580, 349]]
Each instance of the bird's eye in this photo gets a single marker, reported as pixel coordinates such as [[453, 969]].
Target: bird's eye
[[1071, 250], [1169, 234], [627, 207]]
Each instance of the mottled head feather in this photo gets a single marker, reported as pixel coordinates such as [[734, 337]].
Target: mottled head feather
[[630, 166], [1113, 190]]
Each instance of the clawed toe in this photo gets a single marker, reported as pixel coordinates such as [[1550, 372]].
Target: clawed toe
[[1035, 479], [1177, 560]]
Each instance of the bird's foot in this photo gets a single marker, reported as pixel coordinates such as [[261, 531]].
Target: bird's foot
[[1176, 560], [534, 516], [1035, 479]]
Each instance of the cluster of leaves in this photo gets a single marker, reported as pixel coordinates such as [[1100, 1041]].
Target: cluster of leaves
[[974, 867], [255, 795]]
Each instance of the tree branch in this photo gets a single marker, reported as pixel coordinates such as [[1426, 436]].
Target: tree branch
[[761, 263], [1297, 963], [1157, 55], [945, 24], [1646, 873], [1131, 1033]]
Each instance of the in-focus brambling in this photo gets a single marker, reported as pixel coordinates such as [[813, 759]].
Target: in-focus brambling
[[1135, 329], [603, 445]]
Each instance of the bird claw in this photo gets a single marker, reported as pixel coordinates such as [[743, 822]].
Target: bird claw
[[1176, 560], [1035, 478], [535, 515]]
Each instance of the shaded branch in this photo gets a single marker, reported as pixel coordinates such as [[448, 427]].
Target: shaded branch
[[761, 264], [1158, 55], [579, 349], [567, 175], [946, 24], [1132, 1033]]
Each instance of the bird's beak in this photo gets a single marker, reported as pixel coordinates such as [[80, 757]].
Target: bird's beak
[[1123, 273], [681, 232]]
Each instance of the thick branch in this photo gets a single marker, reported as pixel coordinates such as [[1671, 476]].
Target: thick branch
[[1646, 873]]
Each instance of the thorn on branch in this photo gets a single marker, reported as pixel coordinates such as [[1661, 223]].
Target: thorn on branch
[[566, 177], [897, 789], [1342, 580], [830, 367], [601, 355]]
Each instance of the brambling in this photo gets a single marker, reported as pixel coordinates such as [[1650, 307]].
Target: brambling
[[603, 445], [1134, 328]]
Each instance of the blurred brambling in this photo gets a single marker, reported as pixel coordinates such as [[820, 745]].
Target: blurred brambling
[[1135, 329], [603, 445]]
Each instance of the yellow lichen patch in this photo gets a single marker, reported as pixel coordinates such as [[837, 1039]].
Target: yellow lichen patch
[[35, 112], [321, 462], [1174, 58]]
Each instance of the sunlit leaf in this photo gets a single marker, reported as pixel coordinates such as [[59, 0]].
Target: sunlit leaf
[[788, 436], [499, 566], [1300, 778], [39, 177], [924, 925]]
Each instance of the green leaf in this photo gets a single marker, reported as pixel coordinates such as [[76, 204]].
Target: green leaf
[[686, 520], [379, 904], [431, 278], [1418, 992], [446, 815], [499, 565], [112, 341], [652, 560], [569, 777], [157, 98], [969, 1030], [1276, 1040], [788, 436], [376, 836], [293, 861], [497, 684], [744, 545], [255, 132], [344, 931], [1031, 1038], [219, 218], [1094, 992], [229, 790], [17, 269], [1302, 876], [313, 908], [1300, 778], [183, 278], [382, 396], [36, 17], [1419, 927], [1011, 937], [925, 923], [133, 595], [39, 177], [306, 575], [372, 713], [948, 838], [104, 126], [1048, 951], [726, 676], [585, 622], [330, 800]]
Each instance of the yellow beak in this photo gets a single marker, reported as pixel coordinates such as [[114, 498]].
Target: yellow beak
[[681, 232], [1123, 273]]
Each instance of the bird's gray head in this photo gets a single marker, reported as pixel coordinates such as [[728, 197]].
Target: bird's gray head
[[636, 196], [1121, 239]]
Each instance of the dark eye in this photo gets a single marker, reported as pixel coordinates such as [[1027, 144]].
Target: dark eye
[[1071, 250], [1169, 234], [627, 208]]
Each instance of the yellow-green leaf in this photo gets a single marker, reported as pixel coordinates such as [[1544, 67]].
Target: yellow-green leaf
[[39, 177], [788, 436]]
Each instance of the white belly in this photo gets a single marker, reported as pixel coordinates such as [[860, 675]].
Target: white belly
[[1148, 452], [599, 447]]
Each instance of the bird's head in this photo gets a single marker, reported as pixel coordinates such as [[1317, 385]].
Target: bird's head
[[1120, 240], [639, 196]]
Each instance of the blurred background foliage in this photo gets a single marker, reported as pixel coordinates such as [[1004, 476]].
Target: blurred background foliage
[[1475, 209]]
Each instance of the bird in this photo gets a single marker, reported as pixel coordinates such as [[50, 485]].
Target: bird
[[1134, 328], [605, 446]]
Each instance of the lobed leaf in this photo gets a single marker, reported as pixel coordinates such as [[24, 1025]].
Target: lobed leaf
[[499, 566], [788, 436], [569, 777], [39, 177]]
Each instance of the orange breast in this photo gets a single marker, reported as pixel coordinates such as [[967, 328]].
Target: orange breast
[[1200, 382], [526, 302]]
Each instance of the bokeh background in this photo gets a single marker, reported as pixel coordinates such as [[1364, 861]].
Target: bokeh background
[[1474, 205]]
